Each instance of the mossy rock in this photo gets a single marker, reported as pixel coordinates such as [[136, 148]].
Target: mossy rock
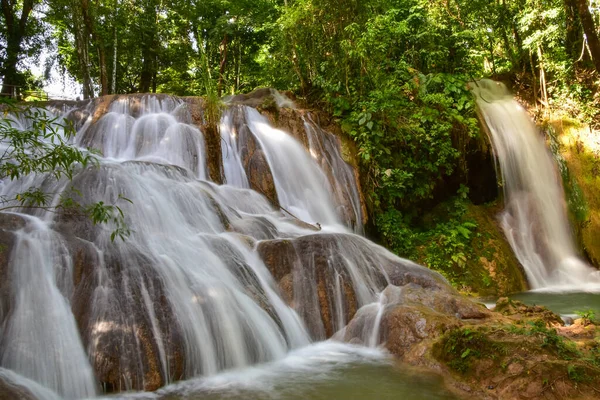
[[514, 362], [581, 152], [490, 267]]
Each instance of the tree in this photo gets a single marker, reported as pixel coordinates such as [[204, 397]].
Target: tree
[[16, 30], [589, 28]]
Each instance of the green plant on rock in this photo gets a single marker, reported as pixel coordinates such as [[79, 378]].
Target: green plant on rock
[[460, 347], [588, 317]]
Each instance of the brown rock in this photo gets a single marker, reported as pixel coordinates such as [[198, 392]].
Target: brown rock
[[114, 321], [11, 391], [321, 270], [517, 309], [260, 177]]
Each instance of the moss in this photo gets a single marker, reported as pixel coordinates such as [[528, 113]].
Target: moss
[[582, 155], [498, 270], [526, 359], [487, 266], [460, 347], [269, 105]]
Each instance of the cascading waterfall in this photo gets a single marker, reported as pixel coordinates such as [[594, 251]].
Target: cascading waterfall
[[301, 185], [188, 293], [534, 221]]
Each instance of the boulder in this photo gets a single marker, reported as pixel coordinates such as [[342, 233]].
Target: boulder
[[260, 177], [118, 325], [326, 278], [405, 316]]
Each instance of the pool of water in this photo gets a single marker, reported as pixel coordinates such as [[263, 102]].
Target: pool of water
[[566, 304], [324, 371]]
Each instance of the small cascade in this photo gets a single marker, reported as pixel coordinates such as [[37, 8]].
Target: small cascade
[[235, 175], [535, 220], [41, 325], [301, 186], [148, 129], [324, 147], [211, 278]]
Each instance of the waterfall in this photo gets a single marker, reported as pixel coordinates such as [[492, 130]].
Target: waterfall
[[534, 220], [193, 290]]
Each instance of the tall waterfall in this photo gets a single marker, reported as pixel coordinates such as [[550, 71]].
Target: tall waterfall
[[535, 220], [194, 289]]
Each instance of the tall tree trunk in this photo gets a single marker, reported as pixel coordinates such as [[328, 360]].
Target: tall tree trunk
[[590, 30], [82, 49], [146, 76], [89, 24], [15, 32], [149, 55], [223, 48], [573, 39], [113, 85]]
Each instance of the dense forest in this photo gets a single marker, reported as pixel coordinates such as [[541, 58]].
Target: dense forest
[[393, 73]]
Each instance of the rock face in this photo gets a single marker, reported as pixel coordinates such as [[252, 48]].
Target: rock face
[[408, 315], [581, 151], [118, 324], [317, 275]]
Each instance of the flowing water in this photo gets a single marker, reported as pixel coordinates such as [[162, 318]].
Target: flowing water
[[534, 220], [324, 371], [188, 294]]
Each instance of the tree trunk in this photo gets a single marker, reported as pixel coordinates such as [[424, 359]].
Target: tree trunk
[[573, 27], [89, 24], [146, 76], [149, 44], [113, 86], [15, 32], [223, 48], [590, 30]]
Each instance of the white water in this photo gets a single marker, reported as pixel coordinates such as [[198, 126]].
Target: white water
[[301, 185], [534, 221], [186, 294]]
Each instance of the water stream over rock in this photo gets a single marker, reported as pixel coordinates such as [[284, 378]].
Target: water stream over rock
[[535, 220], [212, 277]]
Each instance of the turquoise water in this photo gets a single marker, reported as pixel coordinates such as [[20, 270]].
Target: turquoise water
[[562, 303], [324, 371]]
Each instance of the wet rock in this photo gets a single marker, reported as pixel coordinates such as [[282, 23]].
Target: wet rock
[[9, 223], [317, 275], [260, 177], [517, 309], [407, 315], [117, 325], [11, 391], [252, 99], [259, 228], [253, 158]]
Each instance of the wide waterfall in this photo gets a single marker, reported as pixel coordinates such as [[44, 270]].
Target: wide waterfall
[[535, 220], [211, 277]]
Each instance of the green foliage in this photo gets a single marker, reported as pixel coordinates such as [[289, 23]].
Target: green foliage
[[550, 339], [588, 317], [460, 347], [42, 147]]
